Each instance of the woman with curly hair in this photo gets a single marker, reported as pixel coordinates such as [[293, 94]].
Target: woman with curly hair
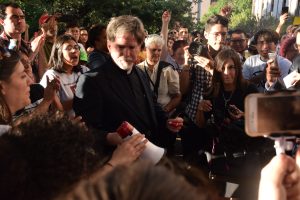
[[48, 154]]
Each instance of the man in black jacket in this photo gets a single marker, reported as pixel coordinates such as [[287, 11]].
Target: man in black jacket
[[118, 91]]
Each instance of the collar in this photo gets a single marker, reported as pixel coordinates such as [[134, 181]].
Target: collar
[[154, 67]]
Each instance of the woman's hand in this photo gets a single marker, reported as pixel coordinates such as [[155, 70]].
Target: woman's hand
[[51, 89], [235, 113], [205, 106]]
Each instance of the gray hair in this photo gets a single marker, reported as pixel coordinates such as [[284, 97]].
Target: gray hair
[[154, 39], [125, 23]]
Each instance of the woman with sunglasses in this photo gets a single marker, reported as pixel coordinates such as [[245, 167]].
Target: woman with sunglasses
[[64, 65]]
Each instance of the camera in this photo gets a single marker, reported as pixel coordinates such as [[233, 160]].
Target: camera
[[195, 48]]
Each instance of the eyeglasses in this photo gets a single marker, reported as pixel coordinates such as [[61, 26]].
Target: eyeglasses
[[172, 32], [219, 34], [70, 48]]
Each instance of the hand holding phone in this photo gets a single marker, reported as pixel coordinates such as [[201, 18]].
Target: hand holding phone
[[234, 112], [284, 10], [272, 71]]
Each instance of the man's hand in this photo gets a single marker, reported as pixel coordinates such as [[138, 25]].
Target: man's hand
[[280, 179], [226, 11], [166, 17], [129, 150], [272, 72], [175, 125], [283, 18], [206, 63]]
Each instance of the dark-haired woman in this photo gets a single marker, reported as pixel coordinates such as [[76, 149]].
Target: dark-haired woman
[[64, 63], [14, 84], [238, 157]]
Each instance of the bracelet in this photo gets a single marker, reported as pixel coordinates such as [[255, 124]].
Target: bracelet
[[109, 164]]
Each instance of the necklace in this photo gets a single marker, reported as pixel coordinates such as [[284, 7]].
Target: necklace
[[226, 100]]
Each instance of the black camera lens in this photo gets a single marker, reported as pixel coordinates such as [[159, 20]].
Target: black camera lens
[[195, 48]]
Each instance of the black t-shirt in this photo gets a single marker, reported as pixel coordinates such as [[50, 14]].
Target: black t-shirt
[[224, 99], [139, 95], [231, 134]]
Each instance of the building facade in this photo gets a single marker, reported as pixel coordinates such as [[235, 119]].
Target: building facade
[[261, 8]]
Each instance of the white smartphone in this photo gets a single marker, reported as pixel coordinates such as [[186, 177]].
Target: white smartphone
[[268, 114]]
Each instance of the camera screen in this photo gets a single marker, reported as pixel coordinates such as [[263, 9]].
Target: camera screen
[[277, 114]]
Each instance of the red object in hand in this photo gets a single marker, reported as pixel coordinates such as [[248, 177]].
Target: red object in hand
[[174, 124], [125, 129]]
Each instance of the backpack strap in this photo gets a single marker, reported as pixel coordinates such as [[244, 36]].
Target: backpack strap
[[161, 65]]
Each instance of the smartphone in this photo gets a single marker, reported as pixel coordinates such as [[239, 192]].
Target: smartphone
[[271, 114], [284, 10], [232, 110]]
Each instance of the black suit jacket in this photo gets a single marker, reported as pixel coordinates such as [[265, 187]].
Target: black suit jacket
[[104, 102]]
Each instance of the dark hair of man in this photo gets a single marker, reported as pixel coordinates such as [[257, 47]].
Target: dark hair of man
[[72, 25], [94, 33], [139, 181], [179, 44], [49, 155], [7, 68], [217, 83], [56, 60], [216, 19], [267, 35], [3, 7], [237, 31]]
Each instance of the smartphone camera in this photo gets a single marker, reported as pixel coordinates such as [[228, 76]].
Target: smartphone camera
[[284, 10]]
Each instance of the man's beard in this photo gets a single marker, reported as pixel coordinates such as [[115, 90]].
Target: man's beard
[[125, 64]]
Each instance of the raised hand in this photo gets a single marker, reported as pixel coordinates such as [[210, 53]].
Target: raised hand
[[166, 17]]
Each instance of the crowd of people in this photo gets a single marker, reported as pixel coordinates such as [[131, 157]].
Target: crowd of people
[[64, 97]]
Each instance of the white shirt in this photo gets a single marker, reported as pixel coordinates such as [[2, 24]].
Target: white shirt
[[253, 66], [169, 82], [67, 84]]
